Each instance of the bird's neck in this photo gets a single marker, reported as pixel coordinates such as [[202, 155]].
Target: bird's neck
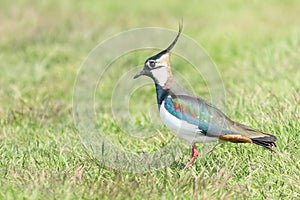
[[161, 94], [172, 87]]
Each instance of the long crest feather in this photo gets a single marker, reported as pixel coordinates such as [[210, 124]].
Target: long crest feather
[[167, 50], [175, 40]]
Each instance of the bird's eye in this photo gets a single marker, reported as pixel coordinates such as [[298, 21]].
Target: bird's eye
[[151, 63]]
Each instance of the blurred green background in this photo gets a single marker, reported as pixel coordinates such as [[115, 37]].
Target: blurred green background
[[254, 44]]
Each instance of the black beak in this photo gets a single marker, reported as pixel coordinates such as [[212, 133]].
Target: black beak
[[143, 72]]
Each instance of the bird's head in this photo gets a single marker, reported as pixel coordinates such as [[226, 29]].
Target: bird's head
[[158, 66]]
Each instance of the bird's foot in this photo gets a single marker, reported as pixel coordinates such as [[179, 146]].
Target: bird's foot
[[195, 154]]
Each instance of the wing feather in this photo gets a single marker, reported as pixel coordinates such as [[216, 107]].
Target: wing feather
[[196, 111]]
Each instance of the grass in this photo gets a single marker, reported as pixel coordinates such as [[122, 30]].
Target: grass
[[254, 45]]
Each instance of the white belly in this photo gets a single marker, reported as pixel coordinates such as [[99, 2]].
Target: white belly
[[182, 129]]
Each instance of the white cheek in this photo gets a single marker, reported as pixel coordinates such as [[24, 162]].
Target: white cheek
[[161, 75]]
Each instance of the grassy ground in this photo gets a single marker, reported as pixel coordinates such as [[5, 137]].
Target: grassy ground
[[254, 45]]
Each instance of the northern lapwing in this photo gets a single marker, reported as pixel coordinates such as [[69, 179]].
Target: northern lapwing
[[190, 117]]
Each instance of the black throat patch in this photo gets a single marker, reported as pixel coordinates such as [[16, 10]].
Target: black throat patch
[[161, 94]]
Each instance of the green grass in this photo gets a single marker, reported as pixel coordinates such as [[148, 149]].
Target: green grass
[[255, 46]]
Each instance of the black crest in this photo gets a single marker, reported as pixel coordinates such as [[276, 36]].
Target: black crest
[[167, 50]]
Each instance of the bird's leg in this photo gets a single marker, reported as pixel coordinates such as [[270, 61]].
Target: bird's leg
[[195, 154]]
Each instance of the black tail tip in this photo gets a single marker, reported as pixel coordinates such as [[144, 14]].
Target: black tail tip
[[267, 141]]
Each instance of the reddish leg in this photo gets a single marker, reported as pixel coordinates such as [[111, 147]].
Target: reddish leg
[[195, 154]]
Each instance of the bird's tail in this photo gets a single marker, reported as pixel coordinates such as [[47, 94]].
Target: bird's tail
[[245, 134], [267, 141]]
